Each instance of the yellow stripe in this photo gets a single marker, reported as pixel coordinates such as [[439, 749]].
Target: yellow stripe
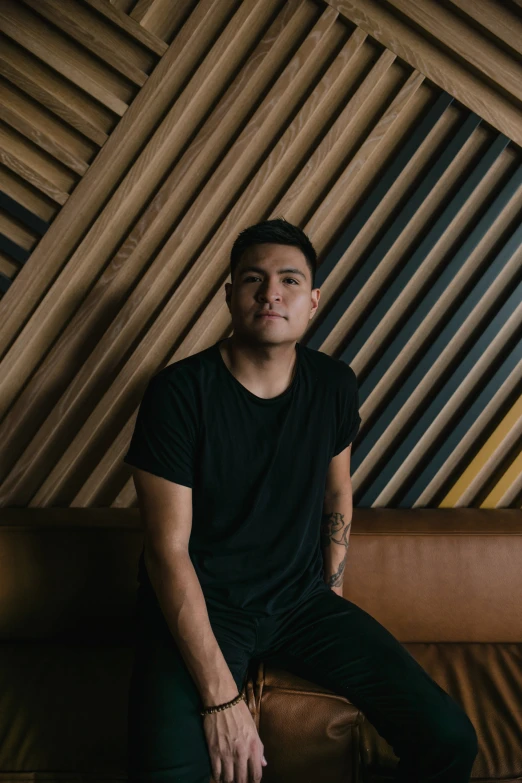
[[505, 482], [501, 433]]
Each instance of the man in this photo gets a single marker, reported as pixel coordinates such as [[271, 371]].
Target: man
[[241, 460]]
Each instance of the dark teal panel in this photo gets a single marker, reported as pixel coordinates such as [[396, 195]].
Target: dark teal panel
[[371, 202], [440, 395]]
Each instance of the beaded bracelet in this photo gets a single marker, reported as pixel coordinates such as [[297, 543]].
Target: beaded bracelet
[[209, 710]]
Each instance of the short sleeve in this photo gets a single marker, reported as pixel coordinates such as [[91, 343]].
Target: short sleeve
[[351, 419], [165, 432]]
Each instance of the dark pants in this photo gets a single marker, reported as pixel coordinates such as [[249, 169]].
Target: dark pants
[[327, 640]]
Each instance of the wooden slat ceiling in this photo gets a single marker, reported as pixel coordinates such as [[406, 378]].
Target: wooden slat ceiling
[[139, 138]]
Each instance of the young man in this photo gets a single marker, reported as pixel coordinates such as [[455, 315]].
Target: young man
[[241, 460]]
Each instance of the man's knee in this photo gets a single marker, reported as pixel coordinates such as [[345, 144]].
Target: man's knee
[[456, 734]]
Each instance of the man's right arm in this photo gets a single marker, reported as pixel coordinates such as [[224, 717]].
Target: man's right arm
[[166, 514]]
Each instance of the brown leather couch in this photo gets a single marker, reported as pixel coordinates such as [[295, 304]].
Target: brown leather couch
[[446, 583]]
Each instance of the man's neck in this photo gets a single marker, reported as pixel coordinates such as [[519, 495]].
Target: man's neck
[[266, 375]]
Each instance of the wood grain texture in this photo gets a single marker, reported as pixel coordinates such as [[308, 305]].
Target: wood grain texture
[[139, 138], [424, 33]]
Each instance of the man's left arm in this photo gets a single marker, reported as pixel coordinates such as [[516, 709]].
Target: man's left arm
[[336, 520]]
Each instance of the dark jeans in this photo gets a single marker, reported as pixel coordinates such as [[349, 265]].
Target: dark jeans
[[327, 640]]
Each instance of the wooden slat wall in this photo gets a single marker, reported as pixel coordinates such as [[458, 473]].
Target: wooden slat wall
[[470, 48], [160, 17], [259, 110], [68, 72]]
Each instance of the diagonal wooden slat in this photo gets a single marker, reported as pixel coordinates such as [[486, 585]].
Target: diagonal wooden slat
[[53, 92], [468, 375], [84, 28], [40, 128], [490, 61], [90, 197], [161, 17], [128, 25], [20, 192], [24, 28], [443, 69], [498, 19], [28, 164], [374, 200], [505, 439]]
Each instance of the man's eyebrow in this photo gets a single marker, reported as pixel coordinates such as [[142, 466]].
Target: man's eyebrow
[[280, 271]]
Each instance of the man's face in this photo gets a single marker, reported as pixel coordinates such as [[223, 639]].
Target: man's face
[[266, 288]]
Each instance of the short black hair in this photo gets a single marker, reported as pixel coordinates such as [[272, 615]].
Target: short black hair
[[278, 231]]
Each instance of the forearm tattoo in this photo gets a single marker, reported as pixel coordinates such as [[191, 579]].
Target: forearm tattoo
[[331, 524], [334, 529]]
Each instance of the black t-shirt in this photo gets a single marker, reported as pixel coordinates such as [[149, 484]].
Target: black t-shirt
[[257, 468]]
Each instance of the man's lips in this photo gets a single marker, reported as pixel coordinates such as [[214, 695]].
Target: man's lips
[[268, 315]]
